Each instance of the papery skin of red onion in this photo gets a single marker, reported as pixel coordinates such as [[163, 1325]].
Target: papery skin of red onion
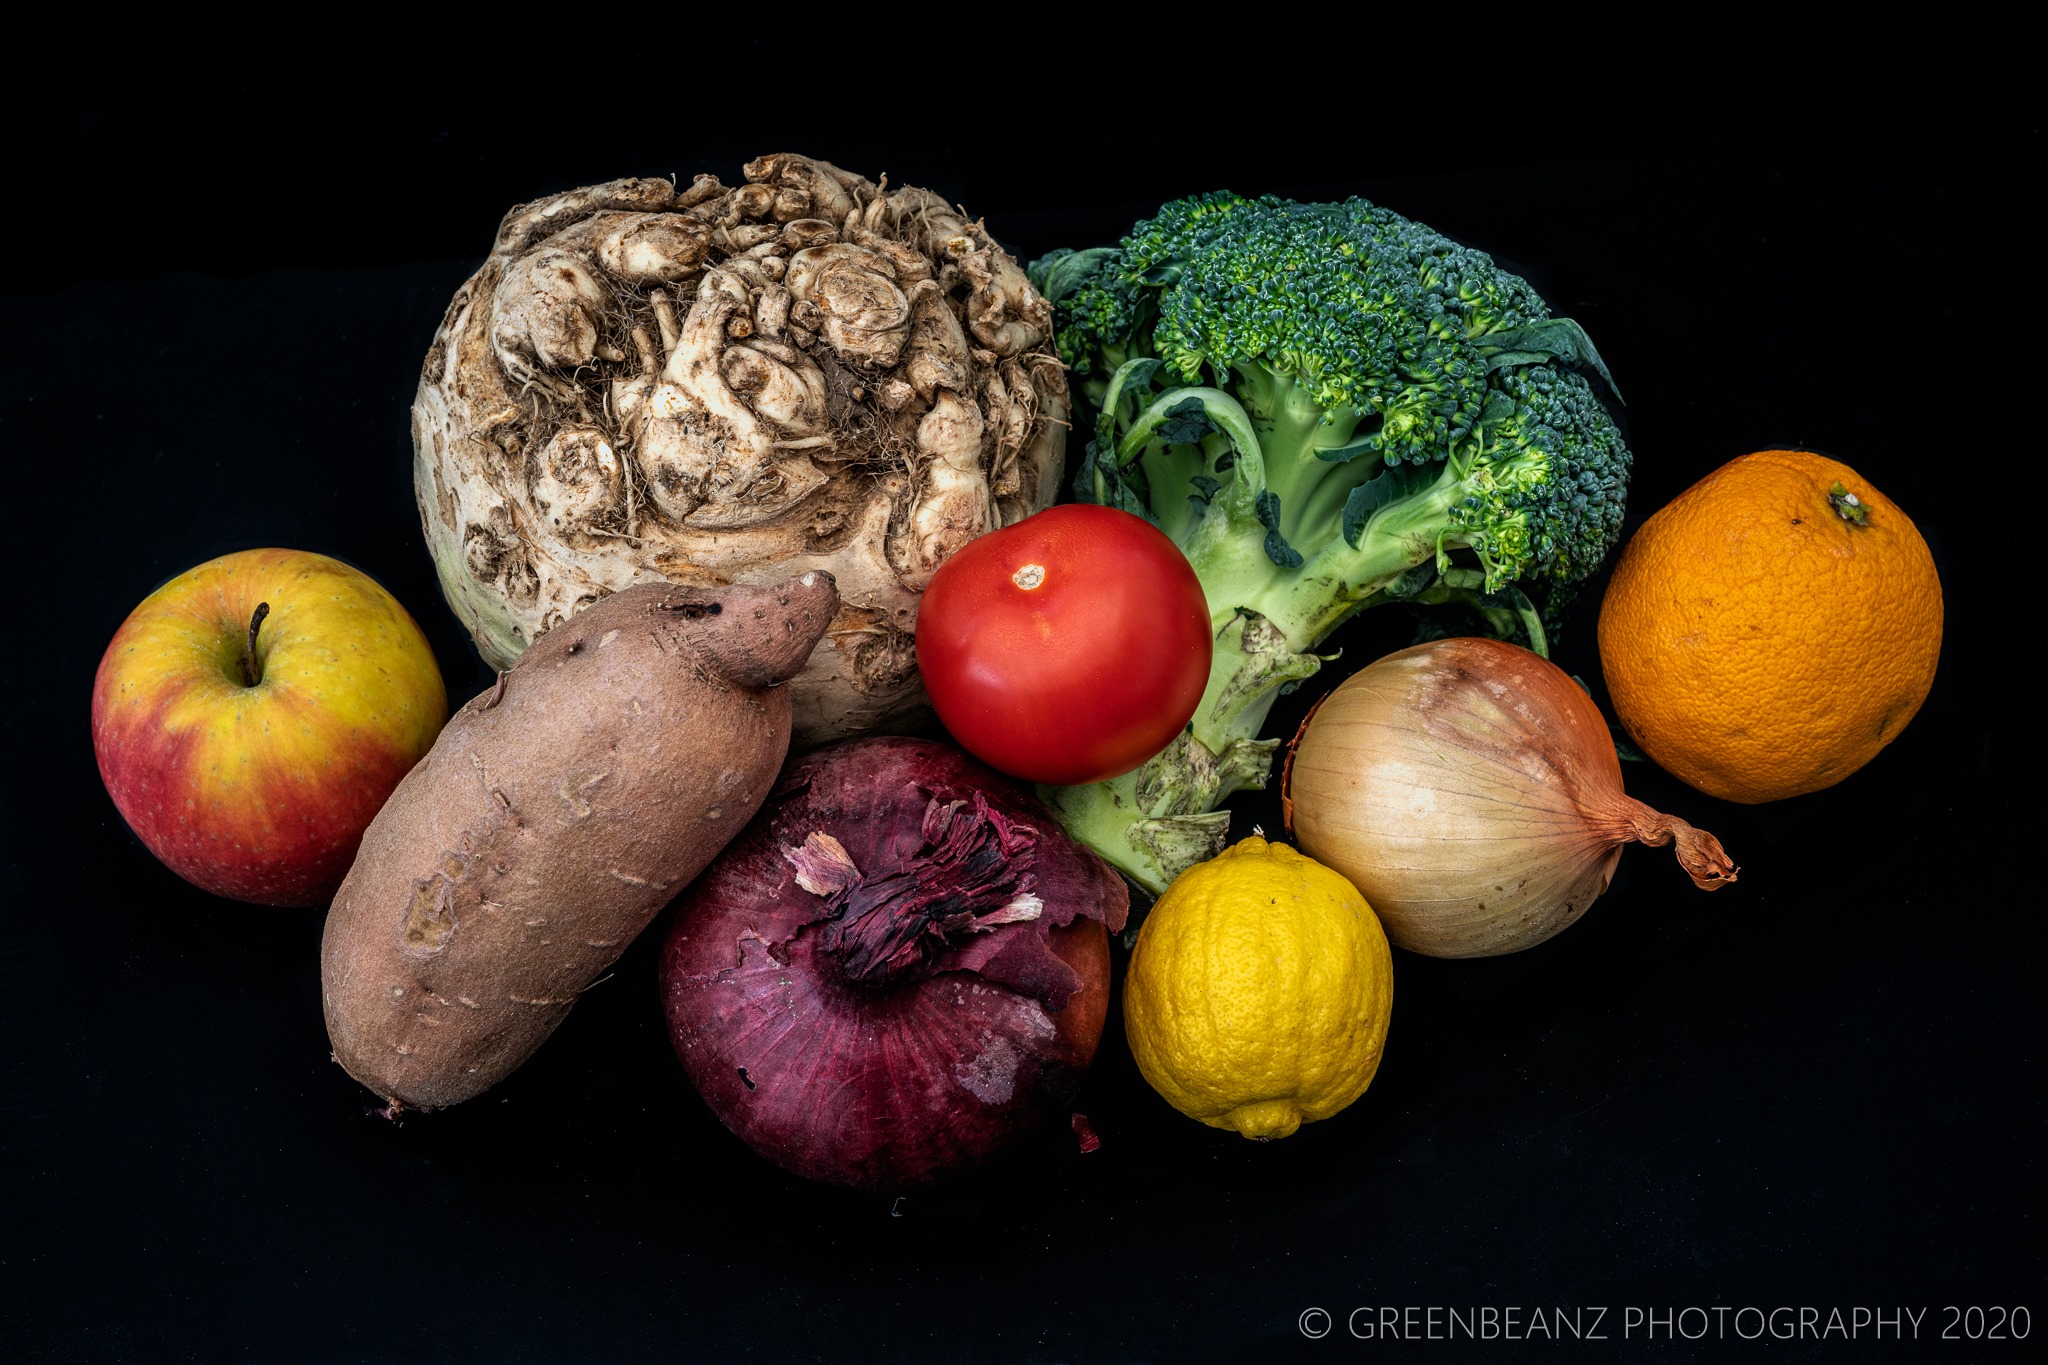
[[886, 1086]]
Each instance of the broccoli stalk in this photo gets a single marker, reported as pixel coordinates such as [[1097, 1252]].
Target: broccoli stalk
[[1327, 407]]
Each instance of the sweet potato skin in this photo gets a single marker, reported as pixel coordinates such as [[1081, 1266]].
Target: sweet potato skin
[[550, 823]]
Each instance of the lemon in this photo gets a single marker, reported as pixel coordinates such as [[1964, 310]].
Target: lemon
[[1259, 991]]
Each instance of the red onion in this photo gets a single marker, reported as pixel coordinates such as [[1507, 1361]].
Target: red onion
[[899, 970]]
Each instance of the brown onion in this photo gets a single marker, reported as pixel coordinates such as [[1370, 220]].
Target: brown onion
[[899, 970], [1470, 790]]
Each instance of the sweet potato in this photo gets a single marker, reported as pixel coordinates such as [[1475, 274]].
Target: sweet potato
[[554, 818]]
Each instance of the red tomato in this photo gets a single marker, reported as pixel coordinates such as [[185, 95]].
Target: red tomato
[[1068, 648]]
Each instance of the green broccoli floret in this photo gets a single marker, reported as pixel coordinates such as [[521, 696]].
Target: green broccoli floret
[[1327, 406]]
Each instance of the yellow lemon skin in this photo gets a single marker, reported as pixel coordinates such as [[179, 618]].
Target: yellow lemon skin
[[1259, 991]]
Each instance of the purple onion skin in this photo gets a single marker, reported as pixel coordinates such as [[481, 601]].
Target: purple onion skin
[[886, 1085]]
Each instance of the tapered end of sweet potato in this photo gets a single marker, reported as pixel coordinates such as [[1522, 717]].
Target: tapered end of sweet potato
[[756, 637]]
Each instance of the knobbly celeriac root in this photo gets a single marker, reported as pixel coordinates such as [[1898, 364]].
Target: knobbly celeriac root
[[711, 385]]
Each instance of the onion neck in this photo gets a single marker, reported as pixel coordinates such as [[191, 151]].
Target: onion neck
[[971, 873], [1699, 852]]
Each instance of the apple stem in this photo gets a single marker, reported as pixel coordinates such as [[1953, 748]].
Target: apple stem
[[252, 672]]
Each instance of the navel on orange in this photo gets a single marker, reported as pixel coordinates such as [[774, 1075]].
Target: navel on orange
[[1772, 628]]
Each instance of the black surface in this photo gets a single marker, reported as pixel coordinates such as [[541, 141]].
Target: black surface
[[1820, 1088]]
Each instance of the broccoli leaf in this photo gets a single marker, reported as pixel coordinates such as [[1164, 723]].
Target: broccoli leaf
[[1101, 480], [1057, 273], [1345, 453], [1536, 343], [1186, 423], [1365, 440], [1412, 583], [1391, 484], [1498, 408], [1281, 553], [1131, 380], [1267, 505]]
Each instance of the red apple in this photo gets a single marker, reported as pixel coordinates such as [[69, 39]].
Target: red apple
[[252, 715]]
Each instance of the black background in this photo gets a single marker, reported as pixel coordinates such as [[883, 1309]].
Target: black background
[[1821, 1087]]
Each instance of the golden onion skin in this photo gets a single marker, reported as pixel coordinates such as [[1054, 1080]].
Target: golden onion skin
[[1470, 789]]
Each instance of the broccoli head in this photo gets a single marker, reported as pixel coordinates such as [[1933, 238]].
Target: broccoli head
[[1326, 406]]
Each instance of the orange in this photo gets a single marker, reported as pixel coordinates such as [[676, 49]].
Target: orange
[[1772, 628]]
